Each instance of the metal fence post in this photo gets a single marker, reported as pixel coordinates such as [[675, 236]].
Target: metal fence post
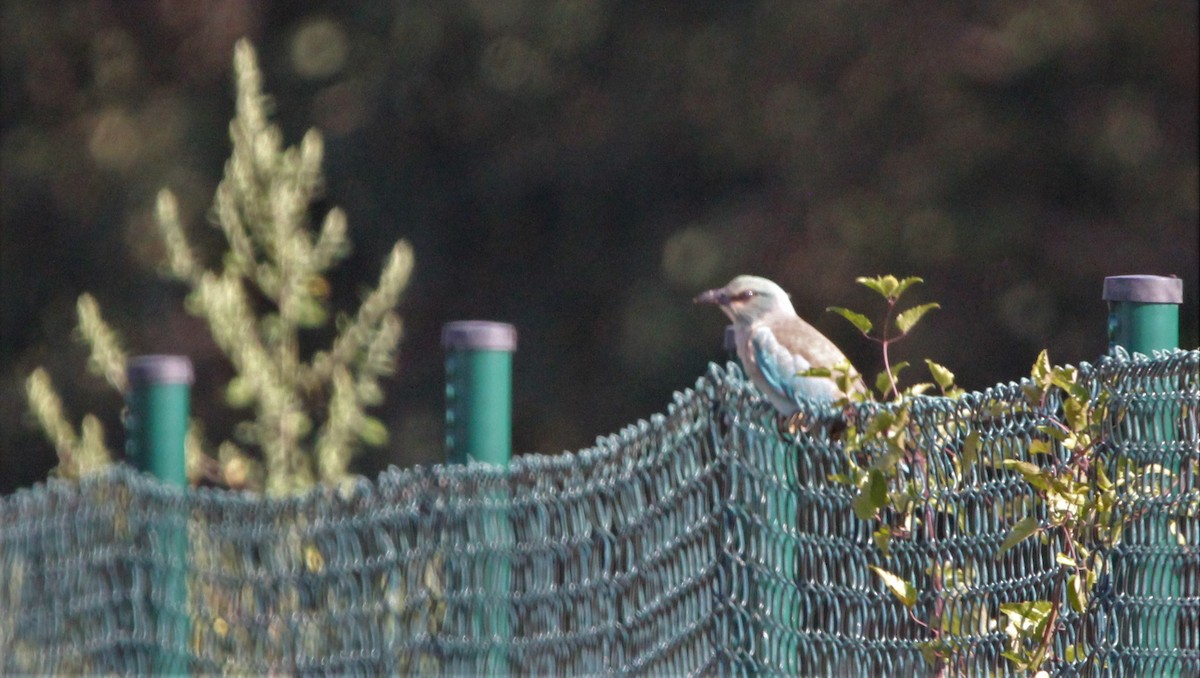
[[479, 390], [479, 429], [159, 408], [1143, 312], [1143, 316]]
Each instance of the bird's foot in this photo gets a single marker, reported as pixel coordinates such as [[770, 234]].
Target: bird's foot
[[801, 422], [838, 426], [794, 423]]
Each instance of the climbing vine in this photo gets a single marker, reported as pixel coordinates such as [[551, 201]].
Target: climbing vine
[[1072, 505]]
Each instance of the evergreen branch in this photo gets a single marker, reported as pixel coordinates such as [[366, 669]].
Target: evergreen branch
[[47, 408], [332, 244], [379, 360], [222, 302], [241, 257], [380, 356], [77, 455], [92, 456], [179, 254], [106, 358], [334, 442], [378, 303]]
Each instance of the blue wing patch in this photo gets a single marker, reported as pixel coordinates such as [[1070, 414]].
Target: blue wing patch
[[777, 364], [780, 366]]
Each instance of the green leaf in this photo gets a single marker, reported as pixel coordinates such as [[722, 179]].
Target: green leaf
[[905, 284], [1077, 593], [1041, 366], [879, 423], [918, 389], [1040, 447], [1077, 413], [906, 320], [1034, 474], [941, 375], [1023, 530], [1054, 432], [930, 652], [1064, 559], [970, 451], [872, 496], [859, 320], [846, 376], [1033, 393], [1067, 378], [1029, 617], [906, 592], [885, 285], [888, 460], [1020, 660], [883, 539], [1115, 533], [883, 381], [1075, 653]]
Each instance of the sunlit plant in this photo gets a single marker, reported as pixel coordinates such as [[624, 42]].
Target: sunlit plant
[[309, 410], [1072, 501]]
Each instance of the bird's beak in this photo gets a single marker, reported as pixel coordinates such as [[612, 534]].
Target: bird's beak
[[716, 296]]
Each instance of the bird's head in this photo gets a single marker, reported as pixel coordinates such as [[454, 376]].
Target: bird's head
[[748, 298]]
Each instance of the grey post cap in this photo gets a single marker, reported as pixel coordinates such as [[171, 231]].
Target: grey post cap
[[144, 370], [479, 335], [1146, 289]]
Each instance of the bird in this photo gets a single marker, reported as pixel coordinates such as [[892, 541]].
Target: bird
[[775, 345]]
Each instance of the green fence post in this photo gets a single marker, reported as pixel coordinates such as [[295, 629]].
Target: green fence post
[[479, 429], [1143, 316], [159, 408], [1143, 312], [479, 391]]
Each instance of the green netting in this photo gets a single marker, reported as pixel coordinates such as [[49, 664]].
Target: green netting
[[703, 541]]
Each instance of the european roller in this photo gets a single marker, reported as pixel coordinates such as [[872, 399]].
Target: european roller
[[774, 344]]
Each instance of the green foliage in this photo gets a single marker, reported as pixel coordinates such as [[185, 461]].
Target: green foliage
[[1079, 501], [891, 289], [79, 454], [1072, 500], [308, 412], [881, 447], [903, 590]]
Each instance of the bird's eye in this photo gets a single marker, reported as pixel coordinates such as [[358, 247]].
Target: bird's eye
[[743, 296]]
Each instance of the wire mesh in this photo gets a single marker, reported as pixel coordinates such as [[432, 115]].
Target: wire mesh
[[707, 540]]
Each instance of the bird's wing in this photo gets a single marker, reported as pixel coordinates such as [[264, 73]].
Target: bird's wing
[[785, 348], [802, 339], [777, 364]]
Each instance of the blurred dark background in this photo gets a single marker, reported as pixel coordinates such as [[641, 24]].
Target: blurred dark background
[[582, 168]]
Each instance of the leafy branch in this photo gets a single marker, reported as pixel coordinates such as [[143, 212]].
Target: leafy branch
[[1080, 504], [892, 289], [1073, 502], [883, 451]]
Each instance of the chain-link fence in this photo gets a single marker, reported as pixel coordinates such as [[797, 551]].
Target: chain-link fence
[[708, 540]]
